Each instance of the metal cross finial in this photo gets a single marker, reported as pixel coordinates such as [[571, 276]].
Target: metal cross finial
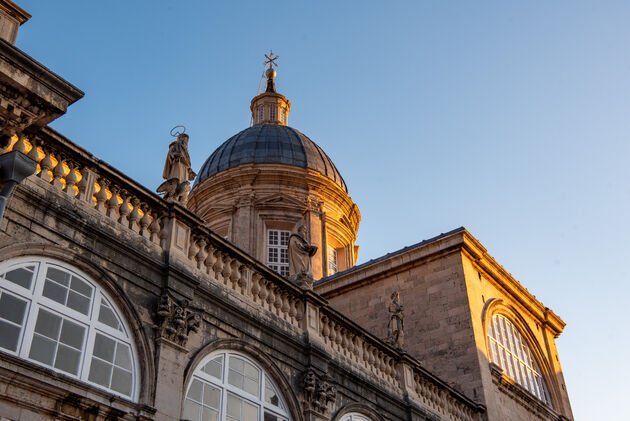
[[271, 59]]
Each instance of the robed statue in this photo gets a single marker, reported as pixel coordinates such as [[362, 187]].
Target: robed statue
[[177, 170], [300, 253], [396, 325]]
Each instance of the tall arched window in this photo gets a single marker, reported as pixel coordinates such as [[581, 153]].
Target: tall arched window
[[228, 386], [353, 416], [55, 316], [510, 351]]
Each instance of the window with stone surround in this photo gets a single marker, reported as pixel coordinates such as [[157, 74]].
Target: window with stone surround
[[54, 316], [510, 351], [332, 261], [278, 251], [228, 386]]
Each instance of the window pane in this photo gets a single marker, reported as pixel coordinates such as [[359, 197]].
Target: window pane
[[211, 396], [214, 368], [48, 324], [123, 356], [250, 412], [271, 417], [104, 347], [21, 276], [55, 292], [81, 287], [191, 411], [100, 372], [251, 386], [67, 359], [12, 308], [121, 381], [210, 415], [195, 390], [270, 395], [107, 316], [233, 407], [235, 379], [42, 349], [78, 302], [9, 336], [72, 334], [59, 276]]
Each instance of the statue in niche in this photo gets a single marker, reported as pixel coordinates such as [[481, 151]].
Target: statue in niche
[[177, 169], [300, 253], [396, 325]]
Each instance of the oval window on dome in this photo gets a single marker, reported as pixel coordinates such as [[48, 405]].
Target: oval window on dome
[[229, 386], [509, 350], [55, 316]]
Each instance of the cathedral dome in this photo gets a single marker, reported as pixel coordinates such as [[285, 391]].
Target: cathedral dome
[[270, 144]]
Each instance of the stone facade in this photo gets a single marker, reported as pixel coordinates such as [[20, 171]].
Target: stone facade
[[451, 288], [183, 293]]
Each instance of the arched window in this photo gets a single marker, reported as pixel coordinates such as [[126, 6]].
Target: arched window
[[54, 316], [510, 351], [228, 386], [353, 416]]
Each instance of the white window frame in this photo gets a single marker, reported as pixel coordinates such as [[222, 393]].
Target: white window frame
[[510, 350], [354, 416], [36, 302], [282, 264], [226, 388]]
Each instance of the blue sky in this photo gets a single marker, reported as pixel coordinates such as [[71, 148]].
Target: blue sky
[[509, 118]]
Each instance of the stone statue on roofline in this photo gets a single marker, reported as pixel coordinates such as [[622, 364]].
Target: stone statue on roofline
[[177, 169], [300, 254], [396, 326]]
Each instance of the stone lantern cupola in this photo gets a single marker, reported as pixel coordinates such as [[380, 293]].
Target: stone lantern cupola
[[259, 185], [270, 107]]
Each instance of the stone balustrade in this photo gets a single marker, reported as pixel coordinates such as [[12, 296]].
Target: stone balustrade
[[171, 229]]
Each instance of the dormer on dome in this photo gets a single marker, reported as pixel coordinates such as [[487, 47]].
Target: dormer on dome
[[270, 107]]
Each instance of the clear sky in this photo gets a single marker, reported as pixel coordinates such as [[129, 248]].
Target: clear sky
[[508, 118]]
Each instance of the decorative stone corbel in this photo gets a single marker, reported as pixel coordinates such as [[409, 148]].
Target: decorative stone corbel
[[318, 392], [176, 319]]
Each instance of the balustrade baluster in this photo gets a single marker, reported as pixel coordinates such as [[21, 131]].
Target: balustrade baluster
[[134, 216], [201, 254], [124, 210], [57, 174]]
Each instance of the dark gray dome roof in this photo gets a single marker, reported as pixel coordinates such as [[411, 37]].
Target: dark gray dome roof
[[270, 144]]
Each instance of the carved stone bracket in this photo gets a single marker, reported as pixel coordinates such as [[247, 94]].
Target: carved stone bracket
[[176, 319], [318, 391]]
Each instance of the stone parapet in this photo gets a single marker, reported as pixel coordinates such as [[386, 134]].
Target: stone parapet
[[201, 257]]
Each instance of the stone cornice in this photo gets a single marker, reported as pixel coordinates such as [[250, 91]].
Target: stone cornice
[[458, 240], [49, 80], [498, 274], [14, 10]]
